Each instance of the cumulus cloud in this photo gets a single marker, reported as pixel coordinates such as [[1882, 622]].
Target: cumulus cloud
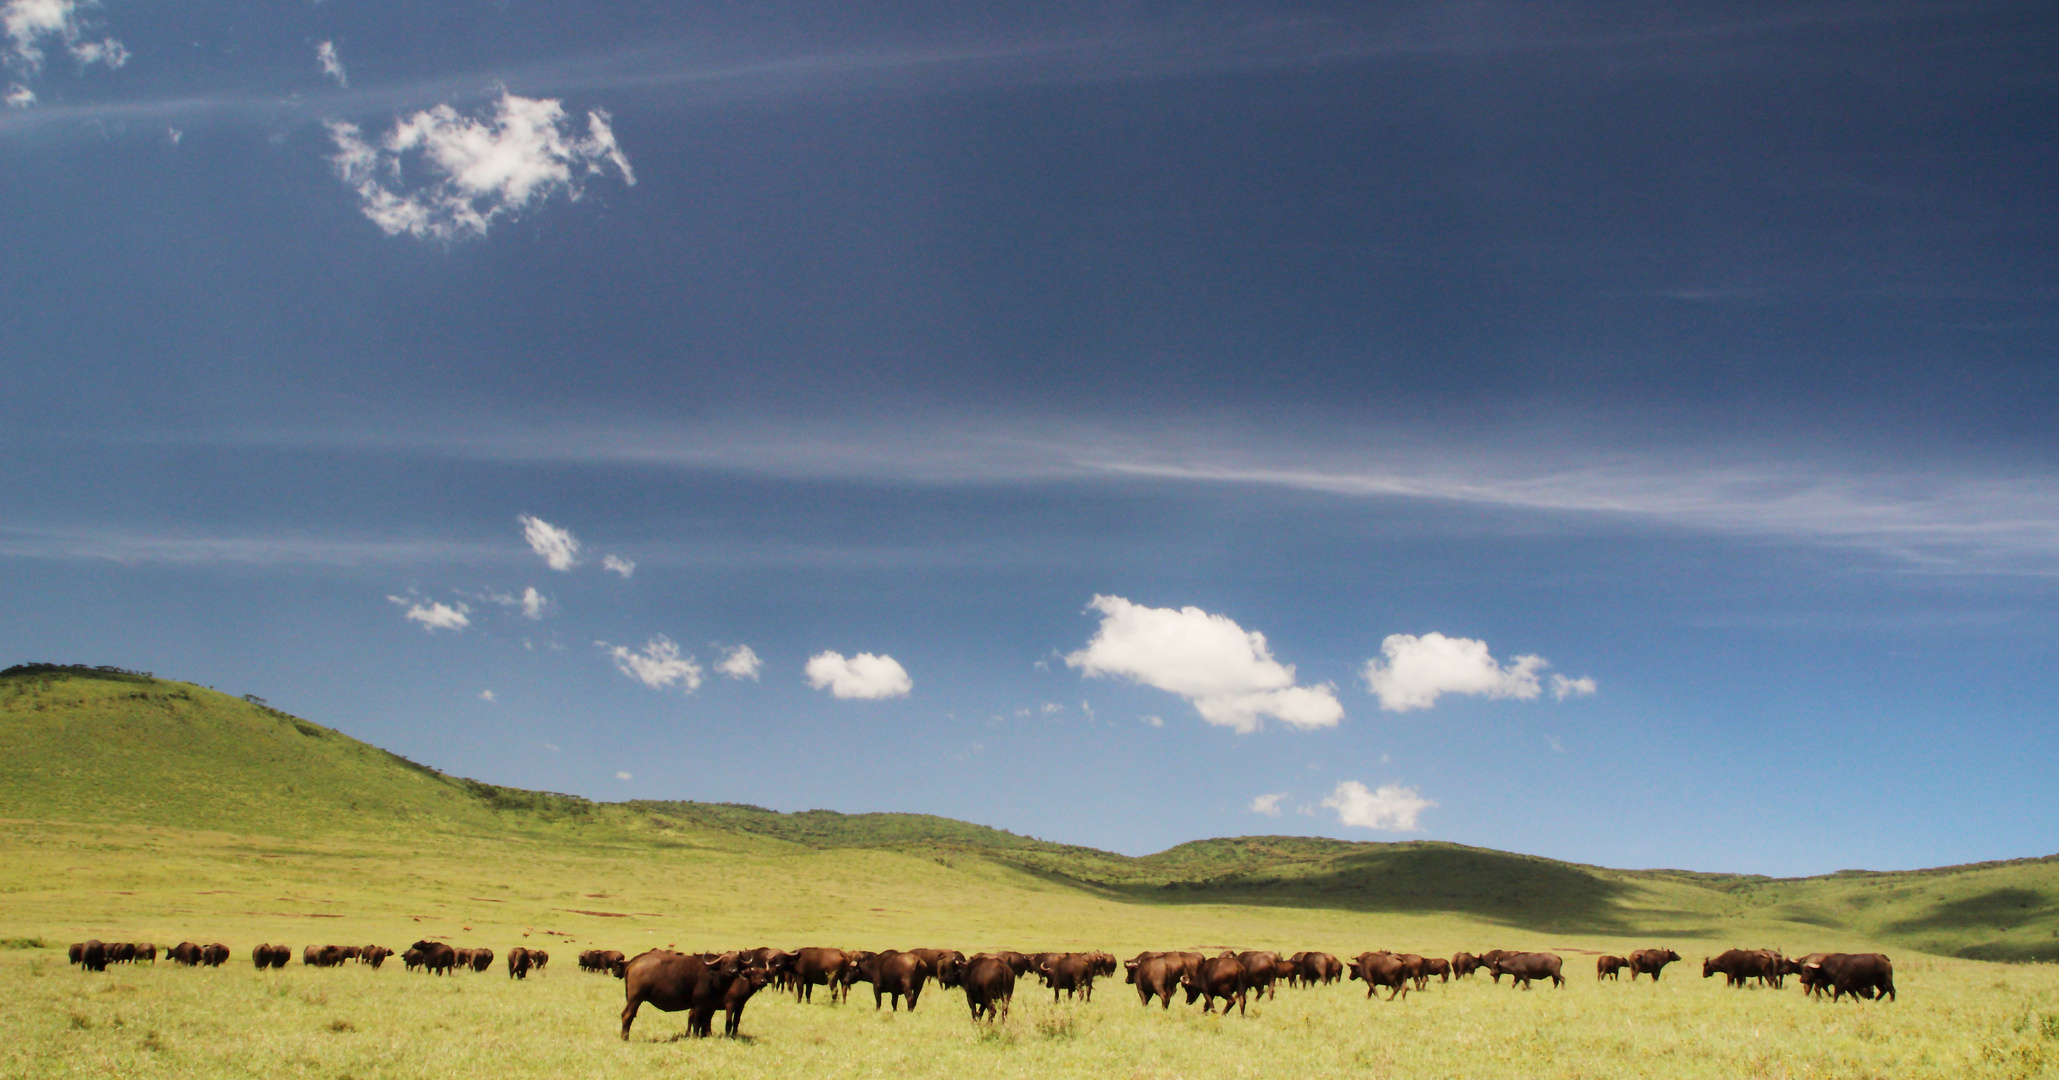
[[658, 665], [1269, 805], [1224, 671], [619, 565], [1154, 720], [1417, 670], [862, 676], [32, 24], [332, 64], [435, 615], [1391, 808], [741, 663], [1563, 688], [558, 547], [533, 603], [623, 776], [442, 175], [20, 97]]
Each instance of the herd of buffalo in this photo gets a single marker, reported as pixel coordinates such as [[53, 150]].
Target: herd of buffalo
[[703, 983]]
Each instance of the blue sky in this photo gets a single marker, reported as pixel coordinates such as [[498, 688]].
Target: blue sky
[[1622, 433]]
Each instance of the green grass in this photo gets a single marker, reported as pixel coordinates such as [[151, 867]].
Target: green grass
[[143, 809]]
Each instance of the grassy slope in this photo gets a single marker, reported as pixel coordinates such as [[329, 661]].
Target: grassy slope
[[172, 783]]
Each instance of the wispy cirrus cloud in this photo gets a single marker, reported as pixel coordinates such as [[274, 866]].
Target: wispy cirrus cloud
[[658, 665], [440, 174]]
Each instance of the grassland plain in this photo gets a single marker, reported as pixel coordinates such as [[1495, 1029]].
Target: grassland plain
[[133, 808]]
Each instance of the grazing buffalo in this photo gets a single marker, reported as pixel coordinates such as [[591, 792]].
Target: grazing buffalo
[[261, 956], [1610, 967], [412, 959], [1465, 963], [674, 981], [989, 984], [321, 956], [815, 967], [437, 957], [538, 960], [1224, 977], [1523, 967], [518, 963], [214, 955], [1738, 966], [92, 955], [185, 952], [1650, 962], [121, 952], [146, 951], [376, 955], [1867, 975], [482, 959], [1438, 966], [1382, 969], [1159, 977]]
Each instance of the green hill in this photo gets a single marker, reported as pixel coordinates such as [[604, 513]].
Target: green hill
[[100, 749]]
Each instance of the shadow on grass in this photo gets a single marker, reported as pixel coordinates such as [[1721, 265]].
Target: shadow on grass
[[1996, 909], [1513, 890]]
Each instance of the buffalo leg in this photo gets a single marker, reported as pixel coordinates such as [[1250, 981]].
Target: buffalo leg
[[629, 1016]]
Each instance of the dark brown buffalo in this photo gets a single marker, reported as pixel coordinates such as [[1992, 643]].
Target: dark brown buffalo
[[1382, 969], [185, 952], [1809, 972], [1224, 977], [214, 955], [93, 955], [1523, 967], [121, 952], [777, 961], [989, 984], [1610, 967], [1867, 975], [538, 960], [1650, 962], [482, 959], [894, 974], [1019, 964], [1158, 976], [1436, 966], [815, 967], [946, 966], [1487, 959], [1260, 969], [280, 955], [1072, 973], [1418, 968], [412, 959], [438, 958], [735, 994], [376, 955], [146, 951], [518, 963], [1319, 968], [353, 952], [674, 981], [1738, 966], [321, 956], [78, 950], [1465, 963]]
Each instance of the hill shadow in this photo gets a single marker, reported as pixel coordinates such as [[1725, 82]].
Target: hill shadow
[[1518, 891], [1995, 909]]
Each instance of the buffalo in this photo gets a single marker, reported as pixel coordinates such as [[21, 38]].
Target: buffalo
[[673, 981], [1610, 967], [214, 955], [518, 963], [815, 967], [1650, 962], [1318, 967], [92, 955], [1224, 977], [376, 955], [261, 957], [1739, 966], [989, 985], [538, 960], [893, 974], [1867, 975], [482, 959], [437, 957], [1261, 969], [185, 952], [1523, 967], [1382, 969], [1070, 972], [1159, 976], [1465, 963], [321, 956], [735, 994]]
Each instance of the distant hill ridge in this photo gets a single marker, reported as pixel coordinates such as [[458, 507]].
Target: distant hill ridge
[[107, 745]]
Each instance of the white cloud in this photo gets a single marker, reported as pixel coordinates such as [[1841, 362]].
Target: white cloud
[[1390, 809], [435, 615], [1052, 708], [31, 23], [861, 676], [332, 64], [1420, 669], [624, 776], [1153, 720], [533, 603], [558, 547], [618, 564], [1563, 688], [1268, 805], [20, 97], [452, 175], [741, 663], [487, 696], [1226, 672], [174, 135], [658, 665]]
